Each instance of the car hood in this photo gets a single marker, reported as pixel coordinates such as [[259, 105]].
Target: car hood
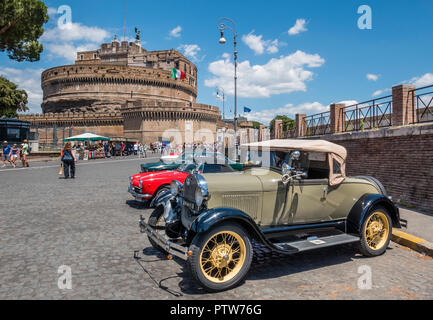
[[232, 182], [159, 175]]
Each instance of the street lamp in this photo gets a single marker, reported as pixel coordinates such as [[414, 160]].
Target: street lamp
[[222, 26], [223, 98]]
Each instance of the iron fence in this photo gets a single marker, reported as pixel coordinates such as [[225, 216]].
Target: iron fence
[[372, 114], [422, 99], [318, 124]]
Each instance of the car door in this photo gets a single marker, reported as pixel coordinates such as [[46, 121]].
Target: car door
[[306, 201]]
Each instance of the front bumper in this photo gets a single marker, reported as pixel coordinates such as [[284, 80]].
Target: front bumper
[[139, 196], [172, 248]]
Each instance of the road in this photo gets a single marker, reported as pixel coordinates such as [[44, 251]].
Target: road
[[90, 225]]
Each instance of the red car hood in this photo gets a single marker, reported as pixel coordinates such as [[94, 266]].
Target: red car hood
[[165, 175]]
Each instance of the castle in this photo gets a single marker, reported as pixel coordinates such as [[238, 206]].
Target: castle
[[121, 89]]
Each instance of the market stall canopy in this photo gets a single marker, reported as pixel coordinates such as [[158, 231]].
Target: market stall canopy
[[87, 137], [336, 154]]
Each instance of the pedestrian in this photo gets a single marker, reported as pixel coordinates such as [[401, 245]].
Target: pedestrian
[[13, 156], [68, 160], [25, 151], [136, 148], [145, 150], [6, 153], [122, 148]]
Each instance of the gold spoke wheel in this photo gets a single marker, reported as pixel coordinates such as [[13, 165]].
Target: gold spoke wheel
[[377, 230], [222, 257]]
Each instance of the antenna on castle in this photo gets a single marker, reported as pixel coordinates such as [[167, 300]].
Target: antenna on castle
[[124, 20]]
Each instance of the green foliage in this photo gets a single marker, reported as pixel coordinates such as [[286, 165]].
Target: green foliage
[[21, 25], [12, 100], [288, 124], [256, 124], [362, 124]]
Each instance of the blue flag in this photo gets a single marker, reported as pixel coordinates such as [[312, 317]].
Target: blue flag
[[247, 110]]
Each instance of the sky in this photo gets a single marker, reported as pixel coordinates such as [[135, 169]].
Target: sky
[[294, 56]]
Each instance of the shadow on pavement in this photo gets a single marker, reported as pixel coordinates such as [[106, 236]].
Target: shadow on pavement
[[267, 265]]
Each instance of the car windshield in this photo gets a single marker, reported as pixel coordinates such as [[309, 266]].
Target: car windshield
[[187, 167]]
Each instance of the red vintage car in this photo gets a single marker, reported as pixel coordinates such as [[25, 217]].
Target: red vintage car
[[148, 185]]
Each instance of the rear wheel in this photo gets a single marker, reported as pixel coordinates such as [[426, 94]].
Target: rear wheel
[[156, 221], [221, 257], [375, 232]]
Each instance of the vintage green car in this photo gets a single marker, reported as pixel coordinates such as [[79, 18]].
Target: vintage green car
[[298, 199], [188, 157]]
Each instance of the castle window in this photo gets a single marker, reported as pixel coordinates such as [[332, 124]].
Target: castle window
[[81, 57], [95, 56]]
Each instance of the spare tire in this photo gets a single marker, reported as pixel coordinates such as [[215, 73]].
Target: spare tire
[[375, 182]]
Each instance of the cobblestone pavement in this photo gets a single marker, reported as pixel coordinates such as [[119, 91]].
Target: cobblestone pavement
[[90, 224]]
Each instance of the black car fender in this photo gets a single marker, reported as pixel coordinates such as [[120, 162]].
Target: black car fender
[[160, 199], [363, 206]]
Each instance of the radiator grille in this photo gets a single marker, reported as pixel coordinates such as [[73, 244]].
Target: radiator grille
[[246, 203]]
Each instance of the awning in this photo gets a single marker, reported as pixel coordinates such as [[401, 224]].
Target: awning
[[87, 137]]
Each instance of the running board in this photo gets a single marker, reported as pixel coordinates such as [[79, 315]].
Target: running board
[[316, 242]]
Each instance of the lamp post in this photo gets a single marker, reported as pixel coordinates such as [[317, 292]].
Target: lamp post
[[224, 99], [222, 26]]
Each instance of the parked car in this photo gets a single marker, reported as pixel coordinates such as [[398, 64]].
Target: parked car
[[169, 158], [188, 158], [291, 206], [150, 185]]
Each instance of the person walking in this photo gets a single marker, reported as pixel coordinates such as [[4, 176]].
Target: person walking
[[68, 160], [145, 150], [25, 151], [13, 156], [6, 153]]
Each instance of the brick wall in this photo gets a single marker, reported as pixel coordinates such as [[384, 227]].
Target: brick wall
[[401, 158]]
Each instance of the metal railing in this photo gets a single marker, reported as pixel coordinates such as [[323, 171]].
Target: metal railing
[[422, 109], [318, 124], [371, 114]]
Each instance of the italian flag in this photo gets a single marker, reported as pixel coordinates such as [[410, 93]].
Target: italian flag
[[177, 74]]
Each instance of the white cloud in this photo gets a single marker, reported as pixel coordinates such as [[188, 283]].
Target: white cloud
[[424, 80], [51, 11], [381, 92], [258, 45], [75, 32], [290, 110], [372, 77], [191, 51], [298, 27], [175, 33], [279, 75], [29, 80], [66, 40]]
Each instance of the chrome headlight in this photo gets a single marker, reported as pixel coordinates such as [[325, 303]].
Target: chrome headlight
[[175, 187], [130, 180], [140, 184], [198, 197]]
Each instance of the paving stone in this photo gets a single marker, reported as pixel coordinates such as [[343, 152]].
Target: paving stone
[[89, 225]]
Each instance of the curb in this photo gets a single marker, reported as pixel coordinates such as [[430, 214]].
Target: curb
[[412, 242]]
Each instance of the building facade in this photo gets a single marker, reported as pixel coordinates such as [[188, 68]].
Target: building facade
[[121, 89]]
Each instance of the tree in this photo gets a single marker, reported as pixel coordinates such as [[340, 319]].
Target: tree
[[256, 124], [21, 24], [288, 124], [12, 100]]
